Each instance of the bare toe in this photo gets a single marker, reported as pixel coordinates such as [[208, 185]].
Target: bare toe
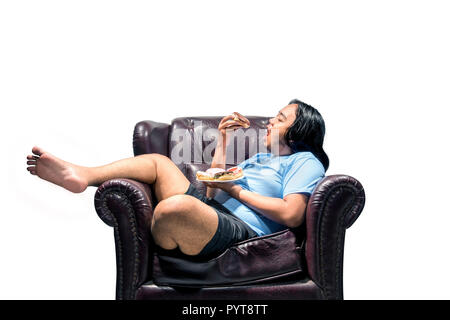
[[31, 157], [31, 162], [37, 151]]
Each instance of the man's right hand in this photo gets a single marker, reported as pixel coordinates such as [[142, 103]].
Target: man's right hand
[[227, 125]]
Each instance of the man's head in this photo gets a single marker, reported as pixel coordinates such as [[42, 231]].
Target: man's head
[[277, 128], [297, 127]]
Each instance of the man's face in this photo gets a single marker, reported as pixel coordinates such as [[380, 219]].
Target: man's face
[[279, 124]]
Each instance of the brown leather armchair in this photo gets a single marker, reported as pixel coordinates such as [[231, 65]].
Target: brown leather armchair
[[301, 263]]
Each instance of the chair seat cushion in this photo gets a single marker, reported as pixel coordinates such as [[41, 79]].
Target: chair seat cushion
[[255, 260]]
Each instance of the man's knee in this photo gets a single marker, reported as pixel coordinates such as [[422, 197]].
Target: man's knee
[[153, 157], [170, 209]]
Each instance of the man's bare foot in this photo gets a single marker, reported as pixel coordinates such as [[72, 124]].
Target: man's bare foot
[[62, 173]]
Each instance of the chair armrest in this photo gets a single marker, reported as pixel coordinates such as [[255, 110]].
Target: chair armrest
[[335, 204], [126, 205], [151, 137]]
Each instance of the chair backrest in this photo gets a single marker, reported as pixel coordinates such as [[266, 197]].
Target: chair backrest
[[192, 141]]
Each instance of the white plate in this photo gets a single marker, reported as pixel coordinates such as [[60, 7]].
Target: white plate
[[220, 180]]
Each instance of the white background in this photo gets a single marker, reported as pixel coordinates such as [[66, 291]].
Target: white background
[[76, 76]]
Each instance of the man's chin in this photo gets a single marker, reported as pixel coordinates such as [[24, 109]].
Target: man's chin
[[275, 149], [266, 145]]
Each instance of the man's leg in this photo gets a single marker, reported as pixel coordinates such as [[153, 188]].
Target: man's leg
[[183, 221], [155, 169], [179, 220]]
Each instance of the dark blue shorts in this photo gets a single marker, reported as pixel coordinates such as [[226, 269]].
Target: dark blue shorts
[[230, 230]]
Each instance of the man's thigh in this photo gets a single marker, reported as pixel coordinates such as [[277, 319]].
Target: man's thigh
[[185, 221]]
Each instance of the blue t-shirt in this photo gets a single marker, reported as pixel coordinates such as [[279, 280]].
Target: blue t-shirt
[[273, 176]]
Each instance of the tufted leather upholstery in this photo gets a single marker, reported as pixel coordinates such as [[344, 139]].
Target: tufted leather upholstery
[[243, 263], [305, 263]]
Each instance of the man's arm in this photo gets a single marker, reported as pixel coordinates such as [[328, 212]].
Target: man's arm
[[289, 211], [226, 128], [218, 161]]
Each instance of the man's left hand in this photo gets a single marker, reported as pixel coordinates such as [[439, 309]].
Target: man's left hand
[[230, 187]]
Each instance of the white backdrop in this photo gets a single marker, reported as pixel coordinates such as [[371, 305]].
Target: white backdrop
[[76, 76]]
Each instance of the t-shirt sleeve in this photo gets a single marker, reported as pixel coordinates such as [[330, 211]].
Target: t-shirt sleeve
[[242, 164], [302, 177]]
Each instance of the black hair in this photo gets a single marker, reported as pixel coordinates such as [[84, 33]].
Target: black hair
[[307, 132]]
